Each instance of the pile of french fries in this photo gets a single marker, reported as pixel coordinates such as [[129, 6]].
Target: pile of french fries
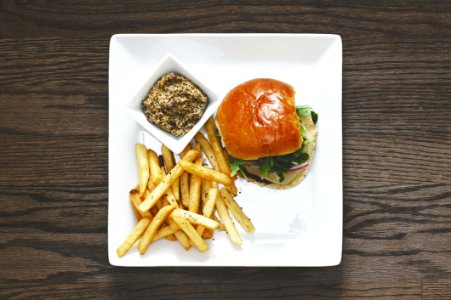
[[179, 200]]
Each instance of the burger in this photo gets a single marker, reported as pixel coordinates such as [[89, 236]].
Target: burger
[[268, 138]]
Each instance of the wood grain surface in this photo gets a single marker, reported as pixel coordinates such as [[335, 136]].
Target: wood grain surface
[[396, 146]]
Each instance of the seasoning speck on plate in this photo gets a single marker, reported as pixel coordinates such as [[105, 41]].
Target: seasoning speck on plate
[[174, 104]]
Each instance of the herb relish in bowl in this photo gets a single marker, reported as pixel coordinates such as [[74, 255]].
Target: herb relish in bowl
[[175, 104]]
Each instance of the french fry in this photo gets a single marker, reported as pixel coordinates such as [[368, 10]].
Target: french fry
[[228, 223], [133, 237], [208, 208], [207, 234], [166, 183], [168, 157], [136, 201], [163, 232], [180, 236], [218, 152], [210, 203], [209, 185], [195, 218], [135, 209], [151, 230], [232, 188], [137, 214], [206, 173], [169, 162], [171, 199], [236, 211], [184, 188], [159, 203], [168, 196], [214, 184], [168, 199], [184, 180], [153, 210], [189, 230], [206, 148], [143, 167], [164, 174], [216, 146], [206, 185], [185, 151], [155, 172], [150, 186], [197, 147], [171, 237], [194, 189], [221, 226]]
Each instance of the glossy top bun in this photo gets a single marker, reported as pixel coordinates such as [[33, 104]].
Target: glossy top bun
[[258, 119]]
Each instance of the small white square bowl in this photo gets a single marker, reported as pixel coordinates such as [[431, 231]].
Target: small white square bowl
[[168, 64]]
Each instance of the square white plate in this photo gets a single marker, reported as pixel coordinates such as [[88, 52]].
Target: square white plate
[[301, 226]]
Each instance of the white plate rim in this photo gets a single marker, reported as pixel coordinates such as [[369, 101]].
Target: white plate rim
[[114, 260]]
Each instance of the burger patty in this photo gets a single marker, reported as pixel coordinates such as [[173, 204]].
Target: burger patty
[[255, 177], [272, 178]]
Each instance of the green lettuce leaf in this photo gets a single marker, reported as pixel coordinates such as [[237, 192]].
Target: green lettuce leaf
[[305, 110], [235, 165], [266, 167]]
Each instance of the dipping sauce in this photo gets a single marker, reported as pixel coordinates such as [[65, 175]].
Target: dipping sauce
[[174, 104]]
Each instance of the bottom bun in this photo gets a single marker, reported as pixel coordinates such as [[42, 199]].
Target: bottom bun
[[292, 178]]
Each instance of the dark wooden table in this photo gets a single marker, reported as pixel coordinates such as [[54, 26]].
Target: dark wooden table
[[396, 145]]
